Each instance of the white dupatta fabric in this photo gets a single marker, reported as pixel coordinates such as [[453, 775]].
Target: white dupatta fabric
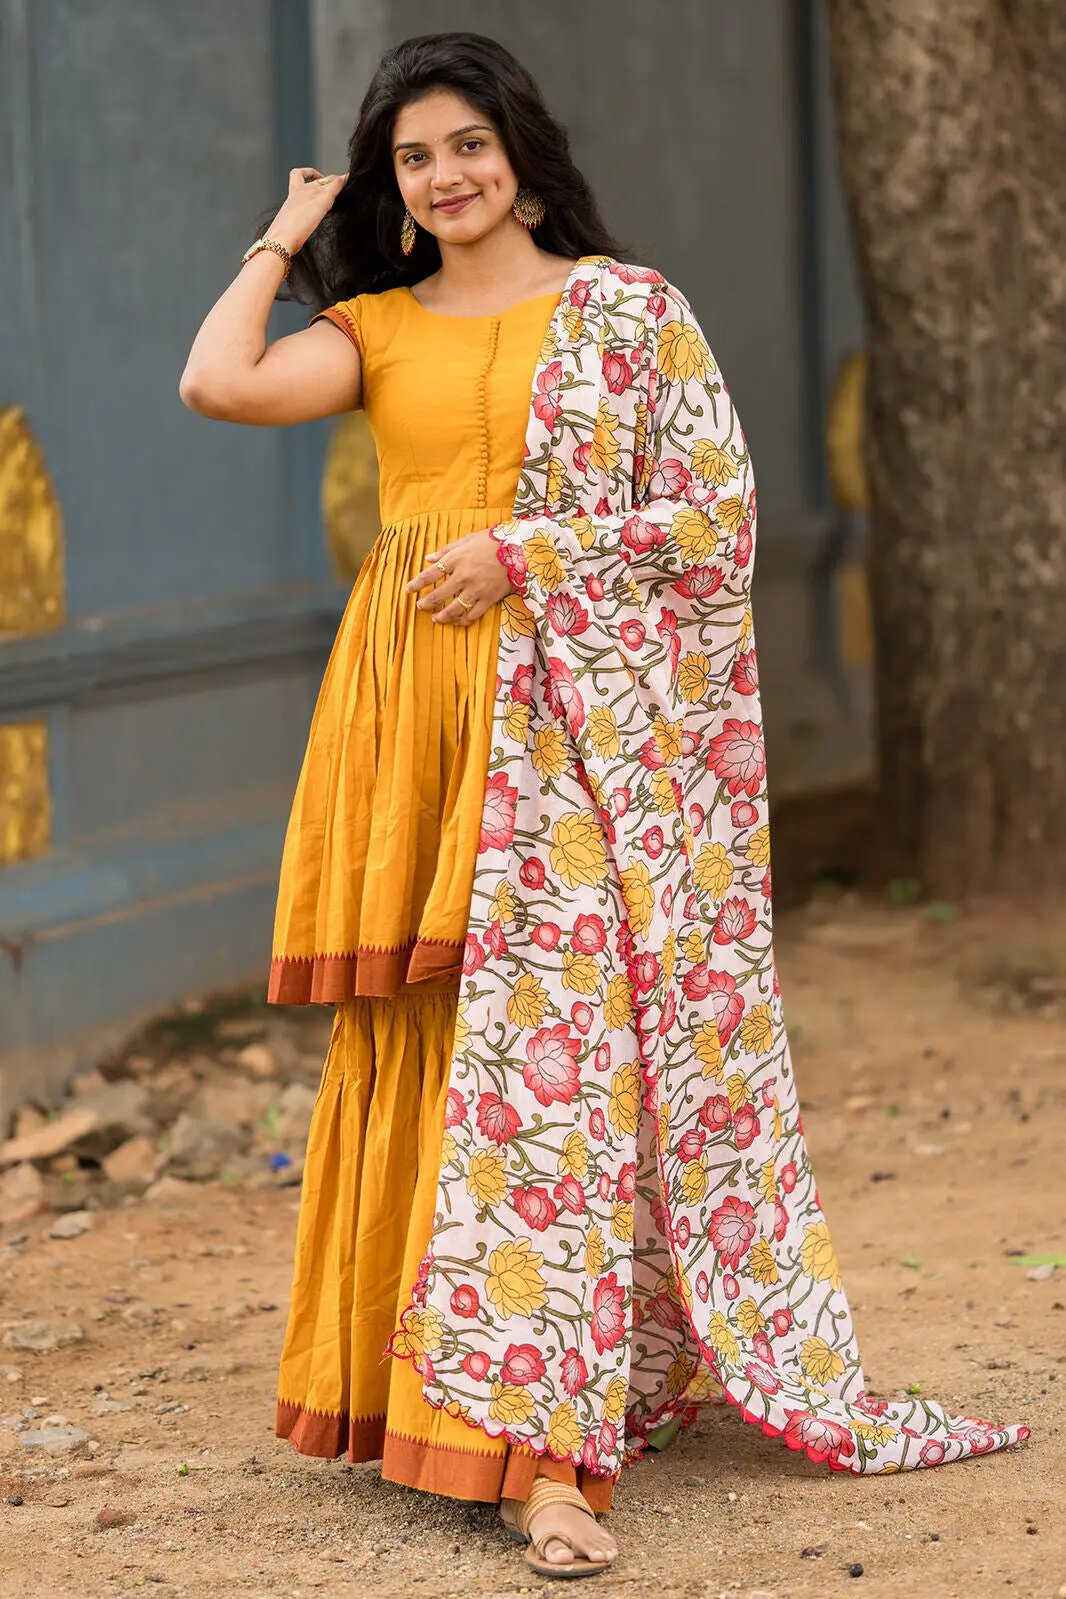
[[627, 1222]]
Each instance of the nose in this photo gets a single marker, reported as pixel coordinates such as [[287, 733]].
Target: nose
[[443, 177]]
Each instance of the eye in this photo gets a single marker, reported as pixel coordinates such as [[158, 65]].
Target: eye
[[471, 141]]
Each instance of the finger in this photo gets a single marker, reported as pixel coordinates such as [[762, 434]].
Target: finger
[[431, 573], [443, 594], [300, 176], [456, 612]]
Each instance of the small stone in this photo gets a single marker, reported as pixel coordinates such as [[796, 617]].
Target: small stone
[[17, 1499], [258, 1060], [52, 1421], [43, 1335], [72, 1225], [135, 1161], [855, 1570], [140, 1313], [21, 1194], [11, 1373], [57, 1501], [111, 1516], [169, 1190], [55, 1440], [1041, 1274]]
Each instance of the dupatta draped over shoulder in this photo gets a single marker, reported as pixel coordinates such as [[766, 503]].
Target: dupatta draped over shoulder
[[627, 1222]]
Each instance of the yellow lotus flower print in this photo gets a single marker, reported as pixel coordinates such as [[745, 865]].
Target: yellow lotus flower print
[[708, 1047], [515, 1284], [595, 1252], [487, 1178], [758, 847], [757, 1030], [820, 1363], [549, 753], [678, 1376], [622, 1221], [516, 619], [577, 851], [565, 1436], [694, 675], [614, 1400], [511, 1403], [731, 513], [581, 973], [638, 895], [603, 731], [667, 736], [762, 1264], [544, 561], [695, 534], [711, 464], [574, 1156], [503, 904], [662, 792], [694, 1180], [516, 720], [605, 453], [624, 1106], [683, 352], [528, 1001], [817, 1255], [750, 1318], [618, 1005], [722, 1338], [713, 871]]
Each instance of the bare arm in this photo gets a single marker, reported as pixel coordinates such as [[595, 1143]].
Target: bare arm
[[232, 374]]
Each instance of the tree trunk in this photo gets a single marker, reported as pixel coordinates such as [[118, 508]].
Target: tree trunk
[[951, 125]]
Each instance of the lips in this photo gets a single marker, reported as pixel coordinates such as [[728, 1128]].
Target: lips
[[454, 205]]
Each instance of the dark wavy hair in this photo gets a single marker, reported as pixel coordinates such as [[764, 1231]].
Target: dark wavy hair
[[356, 247]]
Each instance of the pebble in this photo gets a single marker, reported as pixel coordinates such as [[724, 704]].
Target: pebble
[[11, 1373], [44, 1335], [140, 1313], [72, 1225], [56, 1440], [111, 1516]]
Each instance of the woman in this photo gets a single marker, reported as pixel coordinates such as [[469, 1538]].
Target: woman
[[534, 778]]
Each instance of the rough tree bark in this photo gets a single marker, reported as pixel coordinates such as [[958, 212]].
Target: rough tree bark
[[951, 122]]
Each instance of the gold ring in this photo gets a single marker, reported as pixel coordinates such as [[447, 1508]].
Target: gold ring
[[443, 568], [466, 604]]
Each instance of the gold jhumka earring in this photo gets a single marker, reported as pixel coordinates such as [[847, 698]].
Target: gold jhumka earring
[[407, 232], [528, 208]]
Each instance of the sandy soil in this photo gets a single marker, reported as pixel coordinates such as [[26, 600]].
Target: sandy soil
[[928, 1050]]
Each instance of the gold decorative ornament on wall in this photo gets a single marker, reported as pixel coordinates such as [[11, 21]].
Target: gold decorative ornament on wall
[[350, 509], [32, 581], [25, 797]]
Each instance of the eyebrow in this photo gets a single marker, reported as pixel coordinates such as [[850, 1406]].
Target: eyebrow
[[417, 143]]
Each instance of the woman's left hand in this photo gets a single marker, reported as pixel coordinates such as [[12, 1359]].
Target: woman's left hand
[[473, 571]]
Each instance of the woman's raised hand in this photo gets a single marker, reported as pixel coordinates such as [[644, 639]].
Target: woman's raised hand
[[311, 195]]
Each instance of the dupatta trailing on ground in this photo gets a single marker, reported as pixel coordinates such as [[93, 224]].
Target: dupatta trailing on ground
[[627, 1222]]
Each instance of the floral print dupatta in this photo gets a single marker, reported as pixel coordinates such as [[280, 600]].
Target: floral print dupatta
[[627, 1222]]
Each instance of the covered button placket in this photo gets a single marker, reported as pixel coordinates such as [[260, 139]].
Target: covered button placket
[[483, 413]]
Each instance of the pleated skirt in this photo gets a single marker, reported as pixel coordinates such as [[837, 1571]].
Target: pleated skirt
[[374, 899]]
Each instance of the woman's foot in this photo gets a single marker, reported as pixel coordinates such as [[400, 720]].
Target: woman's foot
[[563, 1531]]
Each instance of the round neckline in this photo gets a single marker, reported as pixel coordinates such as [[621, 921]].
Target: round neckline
[[483, 316]]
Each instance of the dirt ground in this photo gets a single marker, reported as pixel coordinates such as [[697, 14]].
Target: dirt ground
[[930, 1053]]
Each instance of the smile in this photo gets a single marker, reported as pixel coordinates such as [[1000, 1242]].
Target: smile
[[454, 205]]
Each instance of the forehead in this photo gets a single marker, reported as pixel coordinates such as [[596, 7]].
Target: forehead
[[436, 116]]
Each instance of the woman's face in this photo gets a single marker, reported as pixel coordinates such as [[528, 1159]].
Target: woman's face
[[444, 149]]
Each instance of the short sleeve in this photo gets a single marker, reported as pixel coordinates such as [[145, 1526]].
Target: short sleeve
[[346, 315]]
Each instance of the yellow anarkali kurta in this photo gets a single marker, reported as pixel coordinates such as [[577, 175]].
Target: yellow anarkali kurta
[[374, 894]]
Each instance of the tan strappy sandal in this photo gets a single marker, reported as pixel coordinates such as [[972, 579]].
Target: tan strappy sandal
[[517, 1517]]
